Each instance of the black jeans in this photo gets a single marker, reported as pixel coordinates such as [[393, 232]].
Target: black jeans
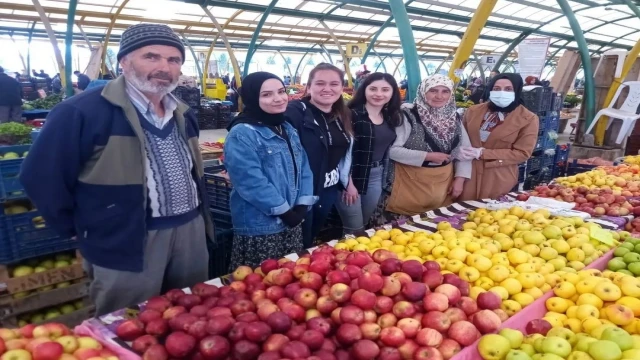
[[317, 216]]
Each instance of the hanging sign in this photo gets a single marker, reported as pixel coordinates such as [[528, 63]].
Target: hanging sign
[[489, 61], [356, 50], [532, 55]]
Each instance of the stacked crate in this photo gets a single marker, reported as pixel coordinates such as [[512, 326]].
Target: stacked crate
[[543, 102], [218, 193]]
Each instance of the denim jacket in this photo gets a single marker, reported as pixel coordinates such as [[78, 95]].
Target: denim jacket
[[261, 170]]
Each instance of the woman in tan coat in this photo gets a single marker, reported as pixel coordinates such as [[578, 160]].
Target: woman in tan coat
[[503, 134]]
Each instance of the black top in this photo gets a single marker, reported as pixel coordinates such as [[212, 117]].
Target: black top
[[10, 90], [384, 137], [337, 141]]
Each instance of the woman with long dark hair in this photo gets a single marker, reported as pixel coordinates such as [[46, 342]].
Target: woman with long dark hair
[[375, 115], [323, 121]]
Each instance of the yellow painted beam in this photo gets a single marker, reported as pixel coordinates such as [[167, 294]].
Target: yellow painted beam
[[471, 35], [52, 39], [213, 44], [601, 126], [108, 35], [345, 59]]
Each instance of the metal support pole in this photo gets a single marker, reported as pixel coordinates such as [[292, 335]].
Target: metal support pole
[[52, 38], [68, 44], [471, 35], [193, 53], [442, 63], [375, 36], [285, 62], [345, 59], [24, 63], [395, 70], [403, 24], [225, 40], [256, 33], [108, 35], [327, 53], [424, 66], [213, 44], [589, 87], [29, 49], [479, 65], [509, 49], [381, 61], [295, 75]]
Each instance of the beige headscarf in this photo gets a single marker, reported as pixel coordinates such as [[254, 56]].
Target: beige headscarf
[[441, 123]]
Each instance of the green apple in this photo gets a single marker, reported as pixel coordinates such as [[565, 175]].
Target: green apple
[[21, 295], [551, 357], [618, 336], [515, 337], [52, 313], [579, 355], [564, 333], [583, 344], [631, 257], [78, 304], [621, 251], [63, 285], [45, 288], [517, 355], [47, 264], [536, 356], [63, 257], [39, 269], [67, 308], [636, 248], [625, 271], [631, 354], [63, 263], [605, 350], [616, 264], [493, 347], [22, 271], [556, 345], [537, 345], [636, 341], [528, 348], [37, 317], [634, 268], [627, 245], [530, 339]]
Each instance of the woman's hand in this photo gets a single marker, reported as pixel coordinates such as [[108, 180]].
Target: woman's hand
[[350, 195], [456, 187], [437, 158]]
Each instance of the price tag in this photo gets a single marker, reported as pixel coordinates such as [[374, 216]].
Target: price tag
[[601, 235], [458, 72]]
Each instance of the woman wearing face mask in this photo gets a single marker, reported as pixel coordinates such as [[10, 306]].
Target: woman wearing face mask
[[269, 170], [503, 134], [376, 113], [422, 175], [323, 122]]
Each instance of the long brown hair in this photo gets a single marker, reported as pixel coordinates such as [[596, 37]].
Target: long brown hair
[[339, 108]]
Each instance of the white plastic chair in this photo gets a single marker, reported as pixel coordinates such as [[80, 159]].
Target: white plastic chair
[[627, 112]]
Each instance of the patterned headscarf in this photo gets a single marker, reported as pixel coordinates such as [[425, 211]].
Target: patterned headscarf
[[441, 123]]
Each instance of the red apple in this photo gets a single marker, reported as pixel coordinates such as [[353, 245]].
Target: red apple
[[432, 278], [538, 326], [158, 303], [220, 325], [320, 324], [468, 305], [370, 282], [452, 292], [413, 268], [311, 280], [353, 271], [214, 347], [281, 277], [390, 265], [365, 350], [431, 265], [387, 320], [326, 305], [486, 321], [267, 309], [384, 304], [340, 293], [338, 277], [237, 332], [347, 334], [269, 265], [291, 289], [427, 353], [179, 344], [198, 329], [414, 291], [435, 302], [279, 322], [501, 314], [296, 332], [257, 331], [463, 332], [143, 343], [455, 314], [313, 339], [391, 287], [381, 255], [157, 327], [245, 350], [320, 267], [156, 352], [409, 327], [295, 350], [130, 330], [182, 322], [436, 320], [392, 336], [489, 300], [306, 298], [449, 348], [371, 331], [351, 315], [50, 350], [363, 299], [403, 309], [173, 312], [275, 342], [429, 337], [372, 268]]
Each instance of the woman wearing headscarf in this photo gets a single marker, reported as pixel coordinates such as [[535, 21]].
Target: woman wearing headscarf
[[269, 170], [422, 174], [503, 134]]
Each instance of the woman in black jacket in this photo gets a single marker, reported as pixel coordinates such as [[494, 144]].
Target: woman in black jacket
[[323, 122], [376, 114]]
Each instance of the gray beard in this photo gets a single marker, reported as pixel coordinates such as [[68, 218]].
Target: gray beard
[[144, 85]]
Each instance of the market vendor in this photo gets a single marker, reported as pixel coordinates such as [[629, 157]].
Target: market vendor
[[323, 122], [423, 174], [503, 134], [269, 170], [118, 168]]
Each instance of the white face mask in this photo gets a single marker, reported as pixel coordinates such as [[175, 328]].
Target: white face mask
[[502, 98]]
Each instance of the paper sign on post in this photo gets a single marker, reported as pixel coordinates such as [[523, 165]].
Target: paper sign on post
[[603, 236]]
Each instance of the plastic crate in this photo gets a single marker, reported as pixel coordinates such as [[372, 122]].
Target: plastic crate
[[6, 249], [10, 186], [218, 189], [546, 160], [522, 168], [221, 219], [533, 164], [28, 236], [549, 143], [553, 122], [542, 176], [541, 141], [220, 254], [538, 99], [557, 100]]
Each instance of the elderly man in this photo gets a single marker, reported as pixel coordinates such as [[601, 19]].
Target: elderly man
[[118, 167]]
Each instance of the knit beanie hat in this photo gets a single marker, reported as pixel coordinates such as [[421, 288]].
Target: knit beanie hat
[[141, 35]]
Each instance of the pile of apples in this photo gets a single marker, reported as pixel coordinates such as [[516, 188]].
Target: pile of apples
[[618, 178], [38, 265], [52, 341], [328, 305], [589, 299], [595, 202], [626, 258], [607, 342]]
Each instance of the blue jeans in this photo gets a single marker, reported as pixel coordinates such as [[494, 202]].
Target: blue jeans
[[357, 215], [317, 216]]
